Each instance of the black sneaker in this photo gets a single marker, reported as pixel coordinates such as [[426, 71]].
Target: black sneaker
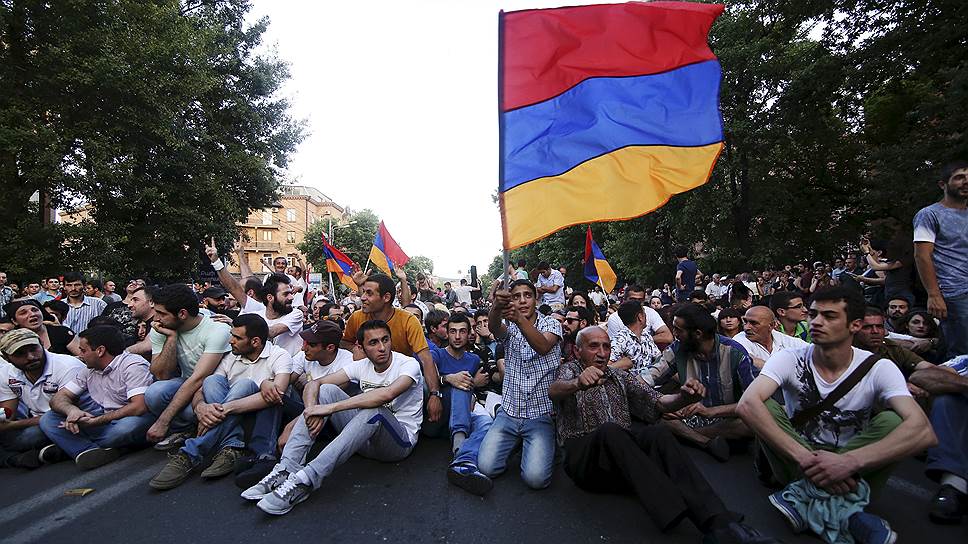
[[468, 478], [250, 471], [29, 459], [948, 506], [51, 454]]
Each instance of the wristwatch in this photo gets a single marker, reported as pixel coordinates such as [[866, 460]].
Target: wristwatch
[[437, 394]]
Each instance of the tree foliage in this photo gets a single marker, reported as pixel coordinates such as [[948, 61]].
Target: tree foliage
[[837, 117], [159, 119]]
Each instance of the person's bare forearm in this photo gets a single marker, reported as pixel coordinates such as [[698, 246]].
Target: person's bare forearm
[[925, 265], [535, 337], [562, 389], [373, 398], [19, 424], [429, 370], [181, 399], [939, 381], [726, 410], [62, 403], [909, 438], [163, 365], [252, 403], [232, 285], [495, 324], [135, 408], [757, 417]]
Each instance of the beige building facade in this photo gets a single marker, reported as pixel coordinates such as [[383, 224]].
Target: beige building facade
[[275, 231]]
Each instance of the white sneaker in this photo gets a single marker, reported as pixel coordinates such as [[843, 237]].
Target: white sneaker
[[285, 497], [269, 482]]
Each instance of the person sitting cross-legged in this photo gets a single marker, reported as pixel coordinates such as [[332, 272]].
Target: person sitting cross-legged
[[251, 379], [832, 454], [606, 452], [459, 376], [381, 423], [103, 408]]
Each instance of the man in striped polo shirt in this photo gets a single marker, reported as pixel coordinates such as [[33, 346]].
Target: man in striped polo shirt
[[82, 308]]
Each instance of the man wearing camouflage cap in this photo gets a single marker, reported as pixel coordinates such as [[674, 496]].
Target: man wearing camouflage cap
[[27, 384]]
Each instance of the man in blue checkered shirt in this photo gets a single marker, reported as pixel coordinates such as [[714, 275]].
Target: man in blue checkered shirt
[[532, 353]]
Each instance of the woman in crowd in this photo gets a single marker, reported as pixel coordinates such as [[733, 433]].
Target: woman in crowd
[[926, 334], [730, 322], [897, 264], [27, 314]]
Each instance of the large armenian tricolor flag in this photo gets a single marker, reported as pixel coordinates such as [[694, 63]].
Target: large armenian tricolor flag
[[606, 111]]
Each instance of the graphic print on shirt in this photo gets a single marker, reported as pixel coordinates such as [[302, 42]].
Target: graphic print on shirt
[[833, 422], [368, 386]]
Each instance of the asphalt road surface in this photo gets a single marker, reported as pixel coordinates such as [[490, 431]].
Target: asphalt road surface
[[411, 501]]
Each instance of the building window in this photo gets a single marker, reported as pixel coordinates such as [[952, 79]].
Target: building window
[[267, 236], [291, 237], [290, 215], [266, 217]]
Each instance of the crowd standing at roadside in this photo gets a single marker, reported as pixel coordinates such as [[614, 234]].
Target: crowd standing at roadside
[[827, 373]]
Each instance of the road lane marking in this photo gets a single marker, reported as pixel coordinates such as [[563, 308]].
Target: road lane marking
[[112, 472], [34, 532]]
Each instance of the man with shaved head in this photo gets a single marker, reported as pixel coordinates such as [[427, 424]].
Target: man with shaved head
[[760, 337], [604, 452]]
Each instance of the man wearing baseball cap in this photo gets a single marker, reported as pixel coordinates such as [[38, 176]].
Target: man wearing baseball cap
[[26, 386]]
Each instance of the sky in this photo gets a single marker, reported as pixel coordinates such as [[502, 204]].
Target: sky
[[401, 104]]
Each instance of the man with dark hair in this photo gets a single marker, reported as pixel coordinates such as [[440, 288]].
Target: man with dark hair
[[872, 337], [722, 366], [458, 378], [686, 272], [103, 408], [605, 451], [655, 327], [551, 286], [941, 253], [740, 296], [82, 308], [825, 449], [633, 349], [185, 349], [381, 423], [377, 292], [897, 310], [52, 290], [532, 353], [436, 325], [791, 314], [576, 318], [272, 301], [250, 379]]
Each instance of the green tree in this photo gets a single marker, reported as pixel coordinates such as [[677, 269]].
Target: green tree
[[156, 117], [419, 265], [353, 236]]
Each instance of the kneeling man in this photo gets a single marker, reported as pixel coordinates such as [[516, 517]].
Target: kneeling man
[[381, 423]]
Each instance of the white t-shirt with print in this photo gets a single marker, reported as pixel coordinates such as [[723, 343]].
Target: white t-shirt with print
[[59, 371], [791, 369], [408, 407]]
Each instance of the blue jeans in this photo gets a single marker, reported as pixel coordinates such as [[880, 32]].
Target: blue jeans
[[955, 326], [537, 437], [474, 426], [29, 438], [266, 423], [121, 433], [159, 395], [949, 417], [228, 433]]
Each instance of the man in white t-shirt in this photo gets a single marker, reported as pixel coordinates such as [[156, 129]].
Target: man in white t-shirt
[[28, 381], [847, 448], [551, 286], [760, 337], [381, 423], [654, 326], [274, 304], [464, 292], [253, 377]]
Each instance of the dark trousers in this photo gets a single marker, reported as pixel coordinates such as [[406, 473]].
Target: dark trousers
[[649, 462]]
